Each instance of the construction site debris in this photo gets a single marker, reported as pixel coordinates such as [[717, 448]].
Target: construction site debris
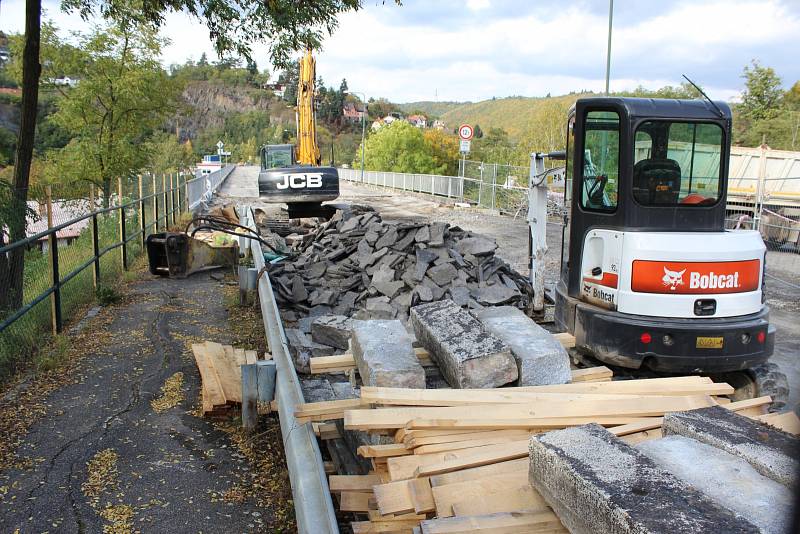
[[597, 483], [385, 356], [540, 358], [332, 330], [467, 355], [358, 263], [771, 452], [221, 376]]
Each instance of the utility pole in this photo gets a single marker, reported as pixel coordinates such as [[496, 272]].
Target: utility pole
[[608, 48]]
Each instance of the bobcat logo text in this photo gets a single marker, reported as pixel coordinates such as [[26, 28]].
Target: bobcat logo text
[[673, 279], [299, 181]]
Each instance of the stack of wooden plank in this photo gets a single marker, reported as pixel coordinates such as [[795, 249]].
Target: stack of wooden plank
[[459, 461], [221, 375]]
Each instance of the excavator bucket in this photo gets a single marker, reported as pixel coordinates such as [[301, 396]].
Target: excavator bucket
[[178, 255]]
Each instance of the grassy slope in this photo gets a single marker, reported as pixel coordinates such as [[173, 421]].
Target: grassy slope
[[514, 114], [435, 109]]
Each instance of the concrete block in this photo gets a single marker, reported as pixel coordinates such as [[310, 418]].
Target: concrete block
[[541, 360], [467, 355], [726, 479], [385, 356], [597, 483], [771, 452], [333, 330]]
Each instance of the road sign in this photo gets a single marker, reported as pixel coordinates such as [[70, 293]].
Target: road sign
[[220, 144], [465, 145], [465, 132]]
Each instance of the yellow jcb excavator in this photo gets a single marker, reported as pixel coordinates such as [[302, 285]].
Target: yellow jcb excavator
[[295, 176]]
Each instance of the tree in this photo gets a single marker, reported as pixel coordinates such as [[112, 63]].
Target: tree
[[123, 95], [494, 147], [477, 132], [398, 147], [762, 96], [443, 149]]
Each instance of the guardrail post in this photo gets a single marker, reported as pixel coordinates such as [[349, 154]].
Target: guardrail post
[[95, 239], [155, 204], [164, 194], [142, 216], [124, 248], [186, 191], [55, 296], [494, 185], [172, 199]]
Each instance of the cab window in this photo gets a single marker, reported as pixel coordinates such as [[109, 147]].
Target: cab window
[[600, 161], [677, 163]]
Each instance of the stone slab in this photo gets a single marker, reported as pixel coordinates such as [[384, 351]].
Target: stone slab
[[597, 483], [771, 452], [333, 330], [541, 359], [467, 355], [726, 479], [385, 356]]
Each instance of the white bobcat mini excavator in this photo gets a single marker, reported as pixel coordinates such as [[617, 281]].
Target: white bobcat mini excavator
[[650, 279], [296, 177]]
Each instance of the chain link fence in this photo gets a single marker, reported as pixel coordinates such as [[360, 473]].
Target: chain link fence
[[78, 240]]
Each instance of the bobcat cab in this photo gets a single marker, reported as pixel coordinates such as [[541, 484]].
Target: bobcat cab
[[650, 278]]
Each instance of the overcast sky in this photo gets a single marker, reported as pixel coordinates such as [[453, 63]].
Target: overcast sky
[[479, 49]]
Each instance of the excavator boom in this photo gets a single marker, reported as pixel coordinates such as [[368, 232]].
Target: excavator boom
[[307, 148]]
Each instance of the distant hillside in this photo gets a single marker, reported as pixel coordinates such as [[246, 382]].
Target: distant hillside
[[516, 115], [436, 109]]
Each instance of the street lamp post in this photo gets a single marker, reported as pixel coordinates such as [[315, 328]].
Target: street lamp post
[[363, 129], [608, 49]]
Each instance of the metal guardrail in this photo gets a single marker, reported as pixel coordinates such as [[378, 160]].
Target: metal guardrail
[[313, 506], [200, 190]]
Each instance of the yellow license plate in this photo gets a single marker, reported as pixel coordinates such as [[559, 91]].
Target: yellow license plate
[[709, 342]]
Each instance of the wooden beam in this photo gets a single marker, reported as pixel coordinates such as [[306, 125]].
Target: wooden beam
[[491, 454], [532, 424], [469, 444], [325, 410], [479, 473], [504, 500], [505, 522], [352, 501], [208, 375], [445, 496], [384, 451], [393, 527], [421, 495], [394, 498], [411, 441], [359, 483], [592, 374], [786, 421]]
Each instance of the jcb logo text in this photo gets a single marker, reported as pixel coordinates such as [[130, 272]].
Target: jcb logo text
[[300, 181]]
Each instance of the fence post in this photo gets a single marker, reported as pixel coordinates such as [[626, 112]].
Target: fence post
[[494, 185], [762, 174], [122, 233], [142, 217], [164, 194], [186, 191], [155, 204], [480, 186], [55, 296], [172, 199], [95, 238]]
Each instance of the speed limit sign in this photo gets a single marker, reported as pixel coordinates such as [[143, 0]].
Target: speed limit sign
[[465, 132]]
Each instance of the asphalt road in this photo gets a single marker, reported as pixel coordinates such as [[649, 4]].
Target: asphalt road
[[103, 458]]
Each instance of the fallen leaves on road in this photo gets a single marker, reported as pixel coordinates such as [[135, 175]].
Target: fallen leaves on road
[[171, 394], [102, 475]]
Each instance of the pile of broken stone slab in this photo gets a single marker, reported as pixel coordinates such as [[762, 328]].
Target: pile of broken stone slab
[[359, 266]]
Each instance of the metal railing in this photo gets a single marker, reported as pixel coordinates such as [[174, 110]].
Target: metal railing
[[200, 190], [68, 260]]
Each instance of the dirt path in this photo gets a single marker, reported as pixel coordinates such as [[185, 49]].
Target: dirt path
[[120, 448]]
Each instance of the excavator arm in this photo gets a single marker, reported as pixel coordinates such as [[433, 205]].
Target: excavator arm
[[307, 148]]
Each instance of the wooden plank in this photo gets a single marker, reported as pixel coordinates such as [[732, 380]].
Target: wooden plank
[[645, 435], [394, 498], [353, 501], [504, 500], [403, 467], [330, 467], [786, 421], [384, 451], [566, 339], [375, 515], [250, 356], [227, 369], [421, 495], [531, 424], [478, 473], [359, 483], [412, 440], [463, 397], [636, 406], [445, 496], [632, 428], [502, 522], [592, 374], [211, 383], [238, 356], [678, 385], [491, 454], [321, 411], [369, 527], [469, 444], [328, 431], [327, 364]]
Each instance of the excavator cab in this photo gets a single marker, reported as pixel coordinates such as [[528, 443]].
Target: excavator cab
[[277, 156], [649, 275]]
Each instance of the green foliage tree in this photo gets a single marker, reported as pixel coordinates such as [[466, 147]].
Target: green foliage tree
[[443, 149], [166, 154], [762, 96], [123, 95], [494, 147], [398, 147]]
